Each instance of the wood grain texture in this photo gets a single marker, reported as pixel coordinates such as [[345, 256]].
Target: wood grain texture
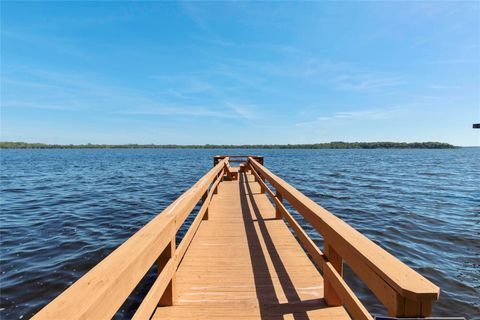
[[155, 293], [243, 263], [354, 247], [345, 295], [101, 292], [240, 260]]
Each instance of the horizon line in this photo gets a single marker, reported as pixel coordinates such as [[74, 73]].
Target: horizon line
[[317, 145]]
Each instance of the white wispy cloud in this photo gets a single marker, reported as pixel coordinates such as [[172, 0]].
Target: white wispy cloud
[[178, 95], [265, 46], [34, 105], [443, 87], [246, 111], [368, 81], [453, 61], [46, 41], [183, 85], [337, 75], [370, 114], [180, 110], [196, 13]]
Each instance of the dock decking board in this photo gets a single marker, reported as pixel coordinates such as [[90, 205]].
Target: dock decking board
[[244, 263]]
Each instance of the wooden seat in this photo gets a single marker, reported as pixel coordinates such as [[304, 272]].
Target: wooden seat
[[231, 172]]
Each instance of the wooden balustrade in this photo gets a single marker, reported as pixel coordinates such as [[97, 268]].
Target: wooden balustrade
[[402, 290], [237, 159], [102, 291]]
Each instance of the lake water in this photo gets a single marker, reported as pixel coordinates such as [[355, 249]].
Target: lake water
[[62, 211]]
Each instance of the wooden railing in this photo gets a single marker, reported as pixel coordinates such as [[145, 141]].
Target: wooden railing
[[403, 291], [102, 291], [237, 159]]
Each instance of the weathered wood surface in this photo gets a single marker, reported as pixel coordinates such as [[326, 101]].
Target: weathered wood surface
[[244, 263]]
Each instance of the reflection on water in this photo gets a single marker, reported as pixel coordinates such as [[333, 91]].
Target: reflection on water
[[65, 210]]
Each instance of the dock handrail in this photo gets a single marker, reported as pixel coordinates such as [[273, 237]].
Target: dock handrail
[[236, 159], [102, 291], [403, 291]]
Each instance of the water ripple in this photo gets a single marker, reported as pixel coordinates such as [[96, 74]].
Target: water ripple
[[65, 210]]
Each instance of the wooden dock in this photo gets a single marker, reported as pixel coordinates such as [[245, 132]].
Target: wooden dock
[[240, 260]]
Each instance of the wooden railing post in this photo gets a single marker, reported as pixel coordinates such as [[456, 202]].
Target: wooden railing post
[[402, 290], [262, 189], [331, 297], [204, 197], [278, 212], [409, 308], [168, 297], [215, 189], [216, 160]]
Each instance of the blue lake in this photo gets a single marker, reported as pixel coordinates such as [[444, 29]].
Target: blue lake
[[62, 211]]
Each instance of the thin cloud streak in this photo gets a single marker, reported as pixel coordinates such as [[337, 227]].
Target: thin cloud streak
[[68, 92], [372, 114], [183, 110]]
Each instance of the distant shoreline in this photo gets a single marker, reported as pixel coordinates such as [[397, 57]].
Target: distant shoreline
[[327, 145]]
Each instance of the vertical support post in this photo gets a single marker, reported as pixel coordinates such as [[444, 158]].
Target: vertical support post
[[250, 167], [215, 191], [278, 213], [169, 296], [204, 197], [262, 190], [411, 309], [216, 160], [336, 260]]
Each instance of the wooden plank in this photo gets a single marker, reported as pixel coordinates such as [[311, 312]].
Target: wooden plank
[[168, 298], [354, 247], [346, 295], [187, 238], [352, 303], [190, 198], [381, 289], [105, 288], [243, 263], [99, 293], [150, 302], [248, 311], [331, 296]]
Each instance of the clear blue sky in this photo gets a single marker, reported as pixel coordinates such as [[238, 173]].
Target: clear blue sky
[[197, 73]]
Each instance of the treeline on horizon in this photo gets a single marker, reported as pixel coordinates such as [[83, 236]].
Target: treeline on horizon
[[327, 145]]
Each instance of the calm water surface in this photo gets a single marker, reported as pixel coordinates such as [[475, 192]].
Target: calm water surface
[[62, 211]]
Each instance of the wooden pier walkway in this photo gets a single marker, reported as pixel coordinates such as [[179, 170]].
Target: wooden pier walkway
[[244, 263], [240, 260]]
